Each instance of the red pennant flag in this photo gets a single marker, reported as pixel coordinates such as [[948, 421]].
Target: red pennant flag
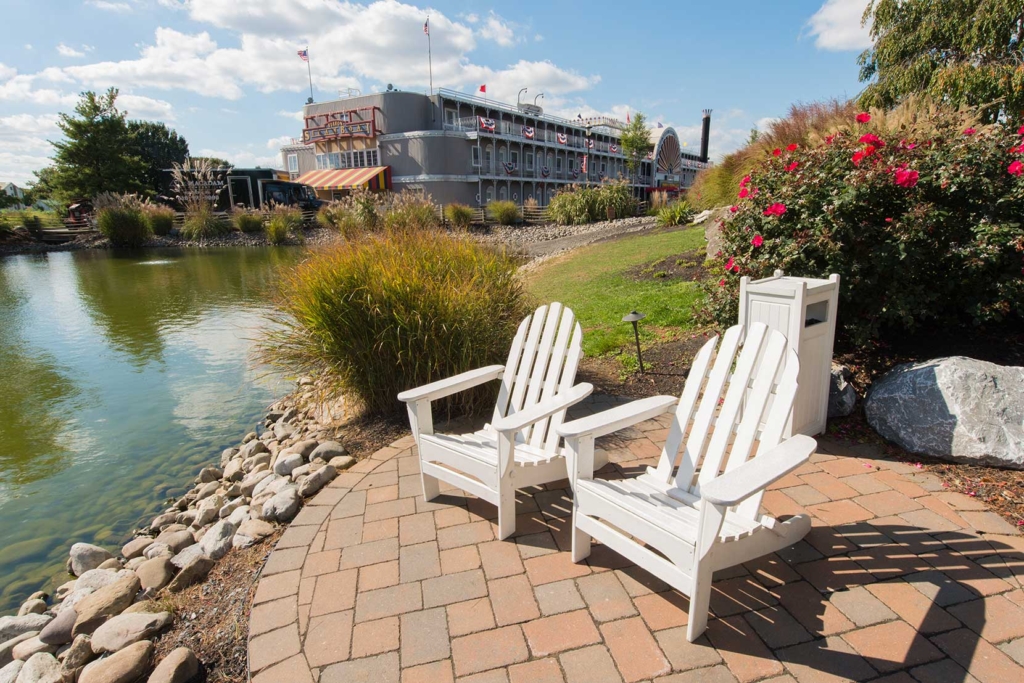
[[483, 88]]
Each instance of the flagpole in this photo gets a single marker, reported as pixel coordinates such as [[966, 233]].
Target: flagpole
[[309, 72], [430, 60]]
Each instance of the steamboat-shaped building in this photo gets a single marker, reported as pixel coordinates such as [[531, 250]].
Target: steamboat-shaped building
[[463, 148]]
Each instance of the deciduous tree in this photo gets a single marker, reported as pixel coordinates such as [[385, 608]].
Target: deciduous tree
[[961, 52]]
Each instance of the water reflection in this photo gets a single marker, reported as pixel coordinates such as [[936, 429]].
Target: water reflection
[[121, 376]]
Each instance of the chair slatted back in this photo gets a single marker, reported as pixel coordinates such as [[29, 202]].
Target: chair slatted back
[[543, 360], [728, 406]]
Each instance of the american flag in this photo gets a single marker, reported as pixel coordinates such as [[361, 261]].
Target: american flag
[[590, 144], [486, 124], [583, 166], [562, 138], [304, 55], [614, 149], [528, 132], [426, 27]]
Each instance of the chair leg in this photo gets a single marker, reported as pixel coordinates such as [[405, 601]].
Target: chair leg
[[700, 602], [580, 541], [506, 509], [431, 487]]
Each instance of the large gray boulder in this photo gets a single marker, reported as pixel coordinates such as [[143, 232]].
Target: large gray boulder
[[58, 631], [9, 672], [952, 408], [283, 506], [842, 398], [109, 601], [251, 532], [217, 541], [328, 450]]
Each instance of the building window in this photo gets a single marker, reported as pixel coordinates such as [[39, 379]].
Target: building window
[[501, 155], [514, 158], [476, 157], [603, 168], [490, 194], [321, 162], [335, 159], [529, 161], [293, 163], [502, 193], [487, 158], [372, 157], [558, 164], [449, 115], [572, 163]]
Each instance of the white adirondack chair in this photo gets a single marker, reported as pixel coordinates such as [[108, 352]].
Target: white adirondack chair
[[703, 516], [520, 446]]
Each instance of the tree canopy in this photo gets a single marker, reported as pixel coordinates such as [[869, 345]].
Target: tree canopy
[[159, 149], [636, 141], [961, 52]]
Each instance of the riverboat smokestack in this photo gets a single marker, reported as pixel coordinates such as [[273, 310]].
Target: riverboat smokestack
[[705, 134]]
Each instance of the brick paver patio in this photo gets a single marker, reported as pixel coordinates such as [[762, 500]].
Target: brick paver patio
[[898, 581]]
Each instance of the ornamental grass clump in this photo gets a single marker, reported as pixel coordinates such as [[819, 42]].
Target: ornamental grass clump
[[574, 206], [247, 220], [459, 215], [160, 219], [504, 212], [615, 200], [340, 215], [406, 211], [380, 315], [121, 218], [284, 222], [919, 212], [676, 213]]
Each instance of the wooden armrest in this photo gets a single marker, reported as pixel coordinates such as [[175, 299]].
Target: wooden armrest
[[617, 418], [452, 385], [759, 472], [536, 413]]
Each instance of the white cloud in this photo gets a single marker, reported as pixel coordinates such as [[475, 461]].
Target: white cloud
[[297, 115], [68, 51], [15, 87], [24, 145], [7, 72], [837, 26], [277, 143], [470, 18], [499, 30], [119, 7], [141, 107], [763, 124]]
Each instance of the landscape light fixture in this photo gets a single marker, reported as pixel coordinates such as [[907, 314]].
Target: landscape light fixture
[[634, 318], [536, 98], [520, 96]]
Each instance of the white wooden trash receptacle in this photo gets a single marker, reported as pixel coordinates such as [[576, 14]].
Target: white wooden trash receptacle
[[803, 309]]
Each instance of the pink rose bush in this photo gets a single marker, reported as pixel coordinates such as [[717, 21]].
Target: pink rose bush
[[923, 225]]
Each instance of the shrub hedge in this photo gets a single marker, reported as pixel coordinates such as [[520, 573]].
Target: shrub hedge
[[584, 204], [459, 215], [124, 226], [160, 219], [504, 212], [394, 311], [247, 220], [919, 215]]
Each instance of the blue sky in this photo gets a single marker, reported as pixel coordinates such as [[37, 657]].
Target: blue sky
[[225, 74]]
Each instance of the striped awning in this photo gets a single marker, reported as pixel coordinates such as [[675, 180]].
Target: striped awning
[[373, 178]]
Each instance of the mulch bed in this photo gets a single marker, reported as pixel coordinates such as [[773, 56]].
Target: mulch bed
[[212, 618]]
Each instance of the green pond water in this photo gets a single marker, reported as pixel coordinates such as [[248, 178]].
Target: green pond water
[[121, 376]]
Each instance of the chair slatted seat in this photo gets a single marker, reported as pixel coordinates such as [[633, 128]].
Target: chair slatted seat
[[520, 446], [698, 511]]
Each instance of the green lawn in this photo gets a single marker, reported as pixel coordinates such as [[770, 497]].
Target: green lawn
[[593, 282]]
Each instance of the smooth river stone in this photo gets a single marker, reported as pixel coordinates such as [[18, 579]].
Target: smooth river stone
[[31, 646], [7, 649], [94, 609], [41, 668], [305, 448], [156, 573], [35, 606], [125, 629], [317, 480], [283, 506], [58, 631], [135, 547], [79, 654], [179, 666], [193, 572], [9, 672], [177, 540], [12, 627], [217, 541], [328, 450], [86, 556], [124, 666]]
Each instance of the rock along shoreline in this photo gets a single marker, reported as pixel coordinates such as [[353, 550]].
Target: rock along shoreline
[[99, 626]]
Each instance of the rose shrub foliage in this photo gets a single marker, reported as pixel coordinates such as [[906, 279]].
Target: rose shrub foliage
[[921, 221]]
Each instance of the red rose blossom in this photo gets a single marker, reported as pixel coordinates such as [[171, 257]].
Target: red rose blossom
[[721, 283], [1016, 168], [729, 264], [776, 152], [792, 147], [872, 139], [857, 157], [970, 131], [776, 209], [905, 178], [829, 139], [863, 117], [746, 179], [792, 166], [757, 241], [734, 209], [744, 192], [1020, 131]]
